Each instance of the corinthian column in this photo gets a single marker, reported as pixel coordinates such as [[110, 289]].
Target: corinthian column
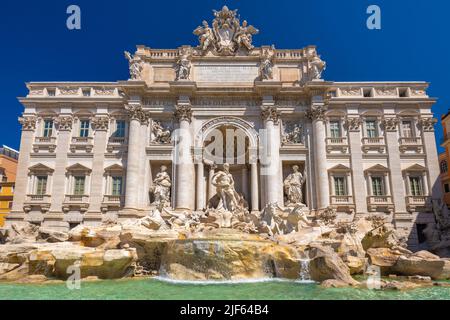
[[21, 187], [184, 184], [136, 116], [55, 216], [317, 115], [270, 156], [100, 125]]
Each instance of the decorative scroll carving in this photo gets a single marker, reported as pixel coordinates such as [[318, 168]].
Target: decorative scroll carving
[[64, 123], [160, 134], [293, 133], [100, 123], [183, 68], [390, 124], [227, 35], [136, 112], [28, 123], [68, 91], [270, 113], [36, 92], [266, 66], [183, 112], [353, 123], [385, 92], [350, 91], [418, 92], [316, 113], [136, 66], [104, 91], [427, 124]]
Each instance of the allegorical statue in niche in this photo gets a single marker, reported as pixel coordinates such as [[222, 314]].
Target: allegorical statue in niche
[[161, 188], [293, 186], [160, 134], [224, 183]]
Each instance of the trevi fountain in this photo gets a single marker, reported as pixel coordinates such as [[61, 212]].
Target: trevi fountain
[[230, 227]]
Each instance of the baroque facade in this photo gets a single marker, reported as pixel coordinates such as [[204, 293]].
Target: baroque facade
[[93, 152]]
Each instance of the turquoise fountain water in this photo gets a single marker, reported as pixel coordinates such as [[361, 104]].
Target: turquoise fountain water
[[156, 289]]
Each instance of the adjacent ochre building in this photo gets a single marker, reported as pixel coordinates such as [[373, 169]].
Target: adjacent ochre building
[[8, 167], [90, 151]]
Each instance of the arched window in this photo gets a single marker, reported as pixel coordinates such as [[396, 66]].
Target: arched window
[[444, 166]]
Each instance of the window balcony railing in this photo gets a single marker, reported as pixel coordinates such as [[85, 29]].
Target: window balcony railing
[[117, 140], [74, 198], [38, 198], [113, 199], [337, 200], [418, 200], [377, 200], [337, 141], [81, 140], [417, 141], [378, 141], [45, 140]]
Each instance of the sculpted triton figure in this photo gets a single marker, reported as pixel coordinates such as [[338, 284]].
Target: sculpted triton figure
[[293, 186], [224, 183], [161, 188]]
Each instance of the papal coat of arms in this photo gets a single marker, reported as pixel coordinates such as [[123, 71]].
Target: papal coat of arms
[[227, 35]]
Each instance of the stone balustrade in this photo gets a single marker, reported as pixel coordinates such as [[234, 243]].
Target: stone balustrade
[[381, 91], [50, 91]]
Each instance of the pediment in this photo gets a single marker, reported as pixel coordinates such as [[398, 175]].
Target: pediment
[[339, 167], [377, 168], [415, 167], [78, 167], [114, 167], [40, 168]]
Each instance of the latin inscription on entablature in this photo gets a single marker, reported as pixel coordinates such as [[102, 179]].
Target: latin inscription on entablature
[[206, 102], [225, 72]]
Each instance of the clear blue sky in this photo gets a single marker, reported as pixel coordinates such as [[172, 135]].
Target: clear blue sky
[[413, 44]]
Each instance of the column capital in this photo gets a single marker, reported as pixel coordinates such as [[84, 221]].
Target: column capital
[[390, 124], [64, 123], [353, 123], [183, 112], [270, 113], [100, 123], [316, 113], [136, 112], [427, 124], [28, 123]]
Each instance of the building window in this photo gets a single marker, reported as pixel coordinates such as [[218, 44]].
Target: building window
[[415, 185], [84, 128], [340, 188], [48, 128], [120, 128], [371, 129], [378, 186], [420, 228], [446, 188], [335, 129], [51, 92], [78, 188], [86, 92], [117, 186], [444, 166], [407, 129], [41, 185]]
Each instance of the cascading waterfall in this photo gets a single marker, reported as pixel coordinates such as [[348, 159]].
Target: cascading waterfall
[[304, 270]]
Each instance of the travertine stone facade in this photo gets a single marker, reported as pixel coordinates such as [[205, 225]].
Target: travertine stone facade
[[91, 151]]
